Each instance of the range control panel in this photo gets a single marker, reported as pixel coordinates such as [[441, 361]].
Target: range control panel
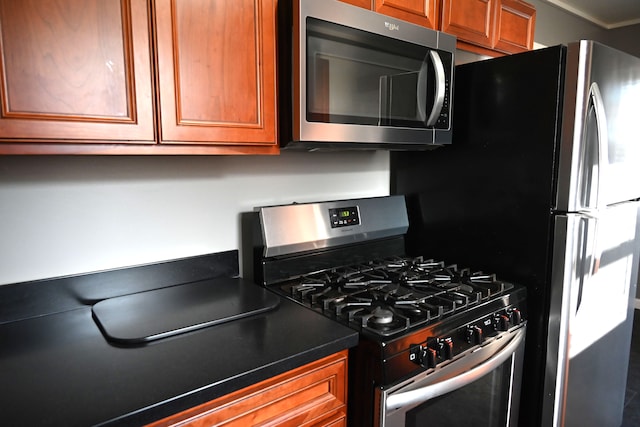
[[344, 217], [437, 350]]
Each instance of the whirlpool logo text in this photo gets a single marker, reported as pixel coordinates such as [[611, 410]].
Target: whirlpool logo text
[[391, 26]]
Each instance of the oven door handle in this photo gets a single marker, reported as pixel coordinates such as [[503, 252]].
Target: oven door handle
[[423, 394]]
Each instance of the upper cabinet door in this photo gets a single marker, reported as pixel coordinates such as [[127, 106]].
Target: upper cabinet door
[[500, 25], [216, 71], [360, 3], [469, 20], [76, 70], [421, 12], [515, 26]]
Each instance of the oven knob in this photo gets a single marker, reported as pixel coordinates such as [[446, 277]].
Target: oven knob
[[474, 335], [429, 358], [501, 322], [515, 316], [415, 353], [423, 356], [442, 348], [447, 348]]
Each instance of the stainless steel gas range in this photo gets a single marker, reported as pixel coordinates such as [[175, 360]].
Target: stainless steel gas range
[[438, 342]]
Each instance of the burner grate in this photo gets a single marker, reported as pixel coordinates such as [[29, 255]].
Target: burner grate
[[393, 294]]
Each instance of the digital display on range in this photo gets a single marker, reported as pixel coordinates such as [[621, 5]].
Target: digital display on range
[[344, 217]]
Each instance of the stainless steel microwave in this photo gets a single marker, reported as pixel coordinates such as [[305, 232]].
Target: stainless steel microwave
[[352, 78]]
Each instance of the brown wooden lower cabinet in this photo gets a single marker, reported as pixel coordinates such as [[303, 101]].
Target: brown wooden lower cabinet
[[311, 395]]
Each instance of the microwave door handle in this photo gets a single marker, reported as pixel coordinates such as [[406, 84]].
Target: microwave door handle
[[423, 394], [423, 75]]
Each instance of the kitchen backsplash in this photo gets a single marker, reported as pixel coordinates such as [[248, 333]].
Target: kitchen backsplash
[[69, 215]]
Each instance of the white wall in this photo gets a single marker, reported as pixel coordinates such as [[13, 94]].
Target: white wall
[[68, 215]]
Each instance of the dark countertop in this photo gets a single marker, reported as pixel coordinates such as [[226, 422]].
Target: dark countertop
[[58, 369]]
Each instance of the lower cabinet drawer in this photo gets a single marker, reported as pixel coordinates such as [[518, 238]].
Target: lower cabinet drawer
[[311, 395]]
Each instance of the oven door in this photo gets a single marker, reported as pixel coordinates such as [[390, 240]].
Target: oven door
[[481, 388]]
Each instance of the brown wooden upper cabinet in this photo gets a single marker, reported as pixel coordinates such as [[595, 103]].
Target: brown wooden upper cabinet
[[501, 25], [216, 71], [421, 12], [484, 26], [515, 26], [138, 77]]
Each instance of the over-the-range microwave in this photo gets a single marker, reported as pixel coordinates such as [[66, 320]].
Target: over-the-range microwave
[[351, 78]]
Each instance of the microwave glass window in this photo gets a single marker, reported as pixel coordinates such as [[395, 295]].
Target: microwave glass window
[[357, 77]]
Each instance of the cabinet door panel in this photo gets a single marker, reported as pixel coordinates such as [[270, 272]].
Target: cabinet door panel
[[311, 395], [76, 70], [515, 26], [421, 12], [361, 3], [216, 71], [469, 20]]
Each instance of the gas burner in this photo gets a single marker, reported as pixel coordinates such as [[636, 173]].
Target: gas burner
[[379, 320], [381, 316], [384, 296]]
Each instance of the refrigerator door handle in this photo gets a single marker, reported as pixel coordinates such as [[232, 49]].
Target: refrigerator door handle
[[595, 111], [603, 161], [603, 139], [588, 261]]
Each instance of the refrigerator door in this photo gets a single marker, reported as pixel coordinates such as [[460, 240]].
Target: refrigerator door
[[595, 272], [600, 160]]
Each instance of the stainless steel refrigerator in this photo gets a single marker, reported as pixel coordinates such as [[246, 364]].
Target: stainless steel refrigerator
[[541, 185]]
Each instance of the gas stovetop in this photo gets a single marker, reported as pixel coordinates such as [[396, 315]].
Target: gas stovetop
[[346, 260], [392, 295]]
